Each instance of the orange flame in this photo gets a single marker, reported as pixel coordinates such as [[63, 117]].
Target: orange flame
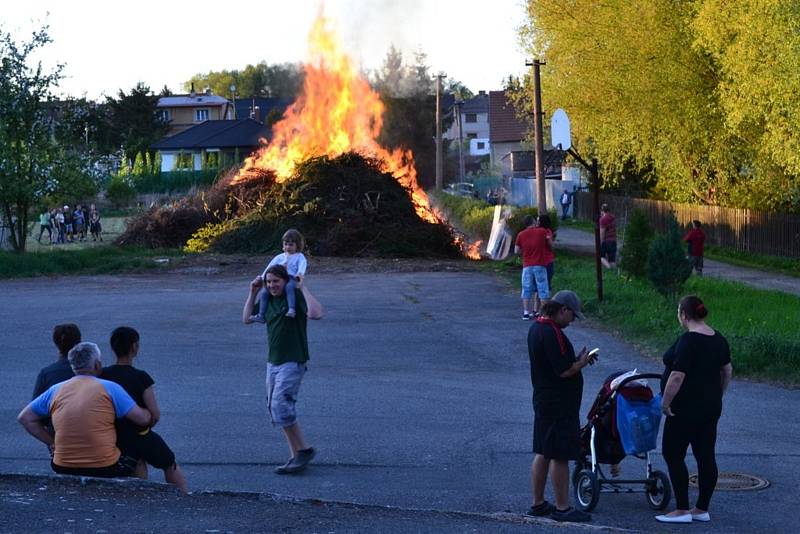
[[337, 112], [473, 251]]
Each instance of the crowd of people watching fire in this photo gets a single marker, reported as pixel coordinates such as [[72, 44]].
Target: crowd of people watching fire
[[65, 225]]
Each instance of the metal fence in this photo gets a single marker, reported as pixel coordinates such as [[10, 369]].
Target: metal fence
[[777, 234]]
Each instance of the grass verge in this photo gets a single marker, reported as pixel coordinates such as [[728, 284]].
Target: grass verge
[[761, 326], [96, 260]]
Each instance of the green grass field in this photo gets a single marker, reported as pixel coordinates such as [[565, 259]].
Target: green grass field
[[85, 257], [112, 228], [761, 326], [101, 259]]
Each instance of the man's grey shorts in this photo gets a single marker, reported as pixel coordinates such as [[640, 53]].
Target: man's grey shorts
[[283, 385]]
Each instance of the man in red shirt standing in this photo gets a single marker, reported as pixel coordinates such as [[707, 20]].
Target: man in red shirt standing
[[535, 244], [696, 239], [608, 238]]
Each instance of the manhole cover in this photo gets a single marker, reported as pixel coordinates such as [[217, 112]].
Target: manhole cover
[[735, 482]]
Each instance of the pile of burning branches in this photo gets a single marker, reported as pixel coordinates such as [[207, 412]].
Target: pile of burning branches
[[172, 225], [344, 206]]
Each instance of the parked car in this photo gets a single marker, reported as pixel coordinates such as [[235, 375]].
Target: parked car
[[462, 189]]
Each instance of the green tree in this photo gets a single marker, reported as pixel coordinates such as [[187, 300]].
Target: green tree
[[33, 164], [389, 78], [135, 123], [667, 266], [124, 166], [696, 96], [282, 81], [755, 48], [120, 191], [409, 118], [458, 90], [138, 165], [638, 235]]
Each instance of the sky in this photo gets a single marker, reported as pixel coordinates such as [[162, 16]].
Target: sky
[[111, 44]]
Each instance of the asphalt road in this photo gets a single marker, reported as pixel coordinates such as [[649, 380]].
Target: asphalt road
[[418, 394]]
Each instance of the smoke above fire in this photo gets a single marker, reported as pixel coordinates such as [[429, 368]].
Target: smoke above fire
[[336, 112]]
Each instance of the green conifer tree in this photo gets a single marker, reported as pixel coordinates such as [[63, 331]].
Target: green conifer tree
[[667, 266], [157, 164], [124, 166], [138, 165], [638, 235]]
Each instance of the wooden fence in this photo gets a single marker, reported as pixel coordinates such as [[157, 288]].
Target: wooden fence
[[777, 234]]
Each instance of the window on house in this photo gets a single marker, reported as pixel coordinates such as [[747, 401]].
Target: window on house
[[184, 162], [212, 160], [471, 117], [163, 115], [481, 145], [472, 136], [200, 115]]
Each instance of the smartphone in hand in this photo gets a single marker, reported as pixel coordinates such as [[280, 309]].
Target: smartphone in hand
[[593, 354]]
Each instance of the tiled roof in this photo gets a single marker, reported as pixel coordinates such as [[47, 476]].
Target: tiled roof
[[216, 134], [504, 126], [244, 107], [478, 104]]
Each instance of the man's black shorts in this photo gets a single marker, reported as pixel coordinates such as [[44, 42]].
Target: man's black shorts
[[125, 467], [557, 437], [608, 250], [150, 447]]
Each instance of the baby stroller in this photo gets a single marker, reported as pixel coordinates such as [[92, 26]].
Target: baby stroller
[[623, 418]]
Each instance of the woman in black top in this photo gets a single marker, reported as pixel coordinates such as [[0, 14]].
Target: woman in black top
[[697, 373]]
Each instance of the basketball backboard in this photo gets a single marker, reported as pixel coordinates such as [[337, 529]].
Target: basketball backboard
[[560, 130]]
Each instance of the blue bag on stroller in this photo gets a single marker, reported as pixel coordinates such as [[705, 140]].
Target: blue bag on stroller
[[637, 424]]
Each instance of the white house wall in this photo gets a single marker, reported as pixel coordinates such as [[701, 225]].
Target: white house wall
[[479, 128]]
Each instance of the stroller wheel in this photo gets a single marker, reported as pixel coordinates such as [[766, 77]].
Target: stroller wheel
[[580, 465], [659, 491], [587, 490]]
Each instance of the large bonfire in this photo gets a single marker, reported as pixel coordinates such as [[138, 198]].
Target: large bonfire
[[338, 112], [323, 172]]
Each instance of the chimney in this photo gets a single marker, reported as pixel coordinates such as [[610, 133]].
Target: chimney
[[192, 93], [481, 93], [208, 91]]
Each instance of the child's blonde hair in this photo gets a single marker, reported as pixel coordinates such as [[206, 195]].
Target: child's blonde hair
[[295, 237]]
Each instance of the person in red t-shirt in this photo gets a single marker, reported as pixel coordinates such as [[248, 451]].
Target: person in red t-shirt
[[536, 245], [696, 239], [608, 238]]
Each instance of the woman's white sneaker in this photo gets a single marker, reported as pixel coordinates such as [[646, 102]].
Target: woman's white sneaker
[[703, 517], [685, 518]]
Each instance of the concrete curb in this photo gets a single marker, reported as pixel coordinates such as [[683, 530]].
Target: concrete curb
[[501, 517]]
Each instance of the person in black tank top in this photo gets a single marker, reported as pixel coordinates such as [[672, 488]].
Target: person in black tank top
[[143, 441], [697, 371]]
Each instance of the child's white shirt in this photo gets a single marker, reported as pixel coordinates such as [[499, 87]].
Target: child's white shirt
[[296, 264]]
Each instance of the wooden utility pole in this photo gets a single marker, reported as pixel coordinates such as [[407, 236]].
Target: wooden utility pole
[[541, 199], [439, 160], [461, 171]]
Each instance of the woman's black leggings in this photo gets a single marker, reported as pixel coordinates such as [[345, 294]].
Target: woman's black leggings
[[679, 433]]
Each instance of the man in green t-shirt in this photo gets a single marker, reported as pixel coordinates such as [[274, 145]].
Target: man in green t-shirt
[[288, 354]]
